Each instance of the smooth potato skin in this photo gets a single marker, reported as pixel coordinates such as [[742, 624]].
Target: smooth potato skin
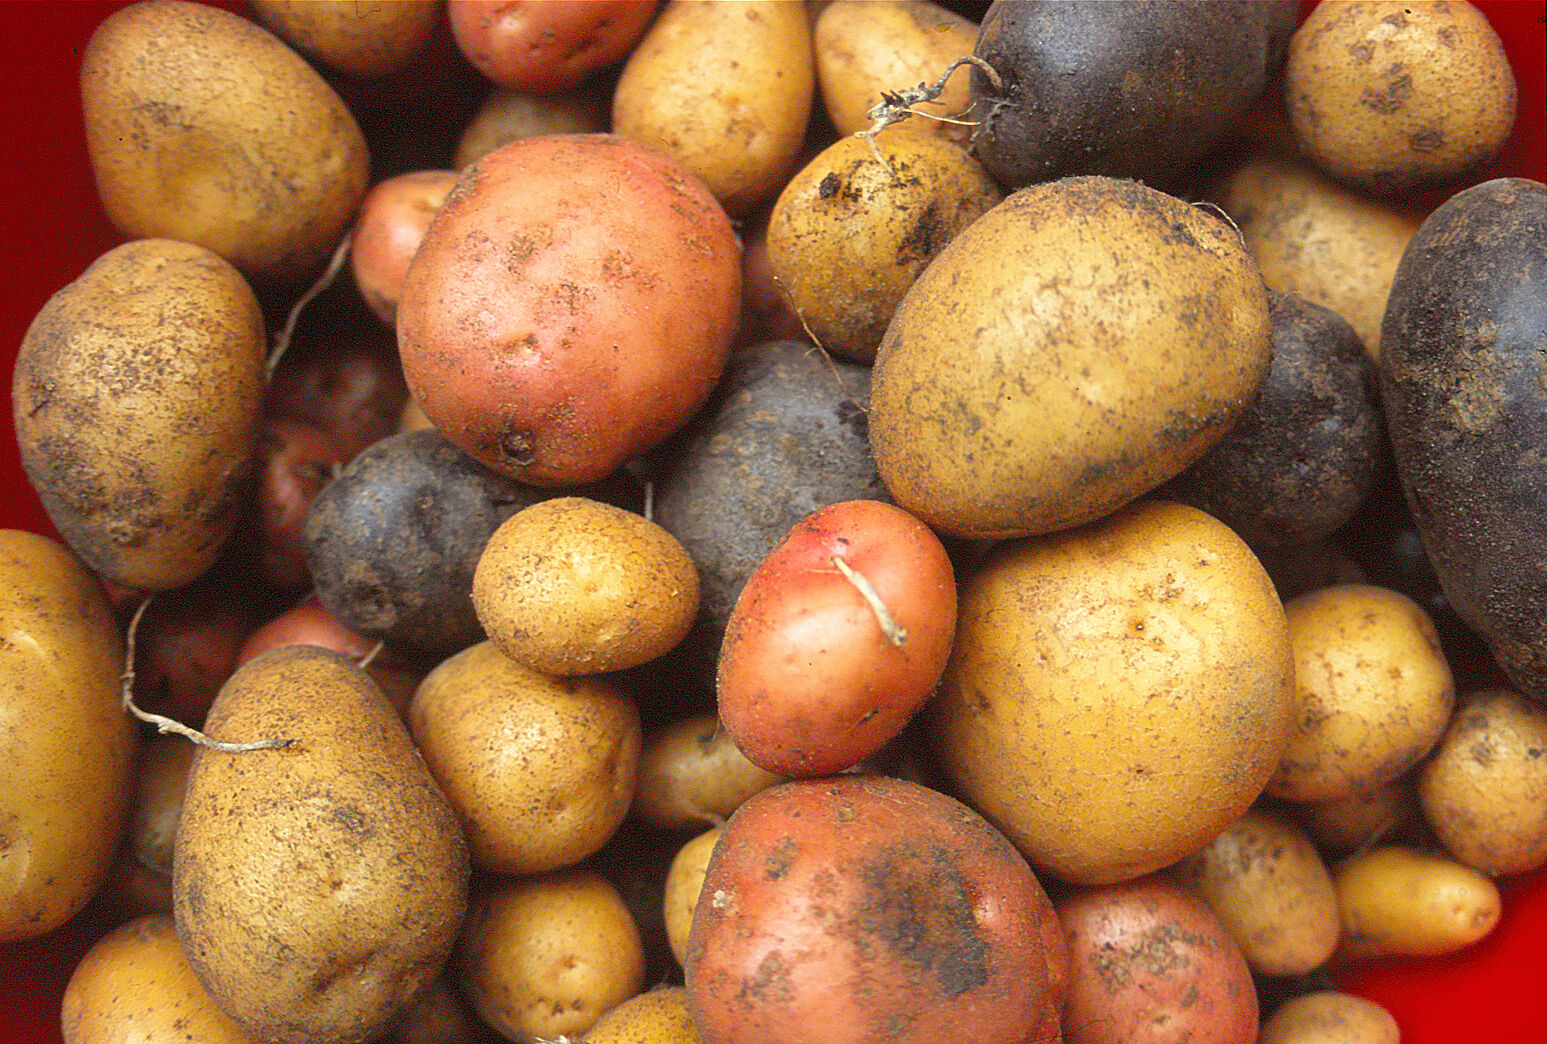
[[68, 768], [1398, 900], [1330, 1017]]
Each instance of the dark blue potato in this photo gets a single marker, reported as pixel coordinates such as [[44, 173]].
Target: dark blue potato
[[1464, 385], [1127, 88]]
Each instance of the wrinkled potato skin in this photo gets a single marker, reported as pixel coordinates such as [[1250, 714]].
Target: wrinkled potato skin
[[658, 1016], [1118, 694], [364, 37], [1395, 900], [1483, 788], [317, 889], [137, 399], [1329, 1017], [68, 768], [204, 127], [691, 774], [726, 90]]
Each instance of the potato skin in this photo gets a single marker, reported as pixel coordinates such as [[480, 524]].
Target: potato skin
[[137, 400], [64, 790], [546, 45], [692, 774], [1330, 1017], [1396, 900], [1464, 387], [363, 37]]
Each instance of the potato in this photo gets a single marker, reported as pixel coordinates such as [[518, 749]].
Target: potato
[[691, 773], [1265, 881], [295, 460], [345, 378], [186, 645], [1150, 964], [1464, 386], [1484, 786], [363, 37], [1118, 694], [684, 886], [1372, 687], [1393, 97], [1395, 900], [439, 1016], [1344, 825], [64, 788], [572, 304], [508, 115], [1070, 350], [545, 956], [135, 984], [839, 636], [317, 888], [725, 90], [539, 769], [137, 399], [658, 1016], [540, 46], [1318, 239], [203, 127], [387, 231], [861, 908], [856, 225], [1329, 1017], [864, 50], [575, 586]]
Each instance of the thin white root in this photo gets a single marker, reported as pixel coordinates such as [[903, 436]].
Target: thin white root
[[894, 632], [1206, 204], [162, 722], [896, 106], [323, 282], [365, 661]]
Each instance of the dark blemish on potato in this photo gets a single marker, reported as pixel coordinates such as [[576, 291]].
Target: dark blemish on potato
[[924, 239], [517, 448], [1390, 99], [917, 902], [829, 186], [770, 983], [1362, 51], [1429, 139], [779, 860]]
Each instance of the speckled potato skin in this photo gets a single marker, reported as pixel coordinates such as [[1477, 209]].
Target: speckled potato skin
[[203, 126], [658, 1016], [850, 233], [317, 889], [1393, 97], [363, 37], [540, 769], [137, 399], [1070, 350], [1118, 694], [724, 89], [1329, 1017], [575, 586], [64, 789]]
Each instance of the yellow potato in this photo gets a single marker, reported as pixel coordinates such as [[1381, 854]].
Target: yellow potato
[[1329, 1017], [691, 773], [69, 745], [658, 1016], [684, 881], [1396, 900], [363, 37], [1373, 690], [540, 769], [724, 89]]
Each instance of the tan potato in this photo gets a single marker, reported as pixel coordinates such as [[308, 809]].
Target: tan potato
[[658, 1016], [1267, 884], [724, 89], [1373, 691], [1329, 1017], [691, 773], [137, 399], [865, 48], [1483, 789], [204, 127], [575, 586], [318, 888], [684, 882], [1395, 900], [1311, 236], [855, 226], [1392, 97], [1118, 694], [545, 956], [1345, 824], [507, 115], [363, 37], [161, 778], [69, 745], [540, 769], [135, 984]]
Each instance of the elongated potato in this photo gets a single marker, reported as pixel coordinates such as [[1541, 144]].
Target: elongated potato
[[1396, 900]]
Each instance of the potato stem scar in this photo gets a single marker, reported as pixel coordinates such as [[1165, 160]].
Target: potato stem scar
[[889, 626]]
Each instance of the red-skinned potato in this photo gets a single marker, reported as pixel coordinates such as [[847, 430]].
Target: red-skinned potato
[[546, 45], [864, 908], [295, 460], [345, 379], [837, 639], [572, 304], [388, 229]]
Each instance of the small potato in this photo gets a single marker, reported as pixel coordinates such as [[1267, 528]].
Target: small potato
[[187, 644], [545, 956], [691, 773], [1395, 900], [1396, 96], [1484, 787], [440, 1016], [1329, 1017], [539, 769], [1345, 824], [543, 46], [388, 230], [724, 89], [295, 460], [1373, 690], [574, 586], [1267, 884], [345, 378], [658, 1016], [508, 115], [363, 37], [684, 883]]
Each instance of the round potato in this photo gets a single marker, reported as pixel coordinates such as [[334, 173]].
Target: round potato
[[363, 37], [543, 46], [658, 1016], [574, 586], [1373, 690], [1396, 97], [508, 115], [1070, 350], [1329, 1017], [539, 769], [684, 885], [204, 127], [1395, 900], [691, 774], [387, 232]]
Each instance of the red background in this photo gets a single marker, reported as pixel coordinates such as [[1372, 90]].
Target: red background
[[1495, 992]]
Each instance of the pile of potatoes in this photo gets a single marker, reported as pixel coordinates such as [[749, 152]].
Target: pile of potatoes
[[779, 522]]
